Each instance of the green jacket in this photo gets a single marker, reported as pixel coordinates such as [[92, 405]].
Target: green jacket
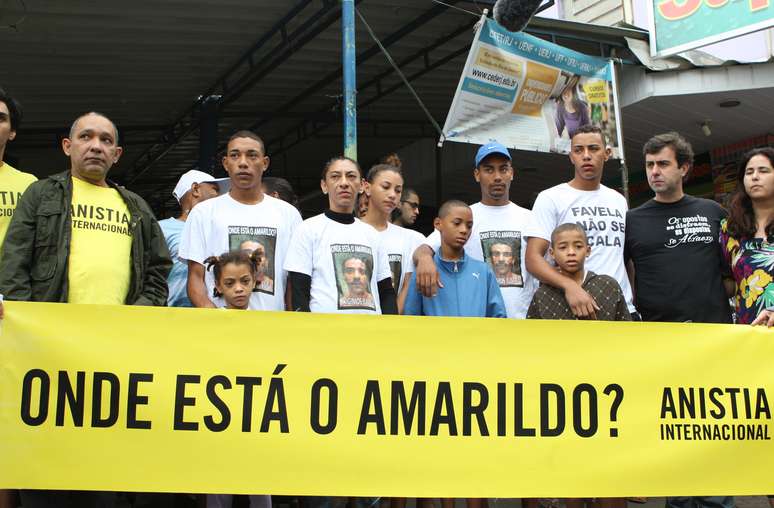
[[36, 248]]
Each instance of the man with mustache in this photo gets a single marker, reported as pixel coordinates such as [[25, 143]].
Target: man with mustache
[[358, 279], [501, 254]]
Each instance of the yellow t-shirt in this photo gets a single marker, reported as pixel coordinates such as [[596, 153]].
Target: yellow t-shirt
[[13, 183], [101, 246]]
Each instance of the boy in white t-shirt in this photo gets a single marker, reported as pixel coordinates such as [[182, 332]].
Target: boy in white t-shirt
[[243, 219], [499, 234], [336, 263], [585, 201]]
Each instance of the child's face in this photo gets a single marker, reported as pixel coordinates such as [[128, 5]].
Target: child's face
[[570, 251], [456, 227], [236, 284]]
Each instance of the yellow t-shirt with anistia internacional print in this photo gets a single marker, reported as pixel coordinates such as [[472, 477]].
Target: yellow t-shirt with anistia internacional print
[[13, 183], [101, 246]]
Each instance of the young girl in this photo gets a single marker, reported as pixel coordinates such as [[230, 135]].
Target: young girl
[[236, 275], [383, 189]]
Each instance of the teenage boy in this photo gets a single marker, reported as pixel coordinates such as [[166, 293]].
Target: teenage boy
[[13, 182], [585, 201], [192, 188], [243, 214], [570, 249], [498, 236], [469, 285]]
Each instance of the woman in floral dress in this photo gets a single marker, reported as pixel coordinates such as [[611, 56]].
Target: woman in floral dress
[[747, 238]]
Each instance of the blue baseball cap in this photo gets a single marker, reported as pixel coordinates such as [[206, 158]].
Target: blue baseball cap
[[490, 148]]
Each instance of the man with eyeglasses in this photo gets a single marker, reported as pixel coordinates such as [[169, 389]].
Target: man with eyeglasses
[[408, 211], [244, 215]]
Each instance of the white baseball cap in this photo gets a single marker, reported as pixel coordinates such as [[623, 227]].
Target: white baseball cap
[[194, 176]]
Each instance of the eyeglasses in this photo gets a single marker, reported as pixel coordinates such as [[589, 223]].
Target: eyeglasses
[[412, 204]]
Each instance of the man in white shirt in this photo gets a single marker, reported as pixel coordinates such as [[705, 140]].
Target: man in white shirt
[[243, 216], [585, 201], [499, 234]]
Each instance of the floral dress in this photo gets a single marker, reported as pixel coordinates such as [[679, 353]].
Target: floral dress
[[751, 261]]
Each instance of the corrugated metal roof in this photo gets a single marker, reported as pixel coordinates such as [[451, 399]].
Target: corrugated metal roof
[[144, 64]]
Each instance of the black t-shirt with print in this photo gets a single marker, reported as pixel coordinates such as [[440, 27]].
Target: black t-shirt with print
[[677, 261]]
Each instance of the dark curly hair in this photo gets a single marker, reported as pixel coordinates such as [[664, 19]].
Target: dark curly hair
[[238, 257]]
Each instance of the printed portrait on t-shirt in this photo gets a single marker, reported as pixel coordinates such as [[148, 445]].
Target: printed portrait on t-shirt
[[354, 267], [396, 268], [263, 240], [502, 250]]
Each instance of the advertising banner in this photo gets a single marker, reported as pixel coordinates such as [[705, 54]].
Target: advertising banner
[[204, 400], [530, 94]]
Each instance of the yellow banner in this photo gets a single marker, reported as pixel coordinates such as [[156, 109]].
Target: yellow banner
[[182, 400]]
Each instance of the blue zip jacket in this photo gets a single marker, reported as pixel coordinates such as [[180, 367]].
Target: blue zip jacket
[[469, 290]]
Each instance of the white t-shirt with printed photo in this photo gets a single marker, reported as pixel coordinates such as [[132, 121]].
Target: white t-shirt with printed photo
[[499, 239], [345, 262], [602, 213], [223, 224], [400, 244]]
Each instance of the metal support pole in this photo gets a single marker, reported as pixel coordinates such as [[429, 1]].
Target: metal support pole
[[619, 131], [438, 176], [349, 64], [208, 133]]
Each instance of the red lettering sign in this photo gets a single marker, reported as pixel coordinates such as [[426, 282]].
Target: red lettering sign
[[676, 9]]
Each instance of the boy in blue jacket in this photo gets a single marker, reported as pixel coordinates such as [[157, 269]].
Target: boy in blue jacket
[[469, 286]]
